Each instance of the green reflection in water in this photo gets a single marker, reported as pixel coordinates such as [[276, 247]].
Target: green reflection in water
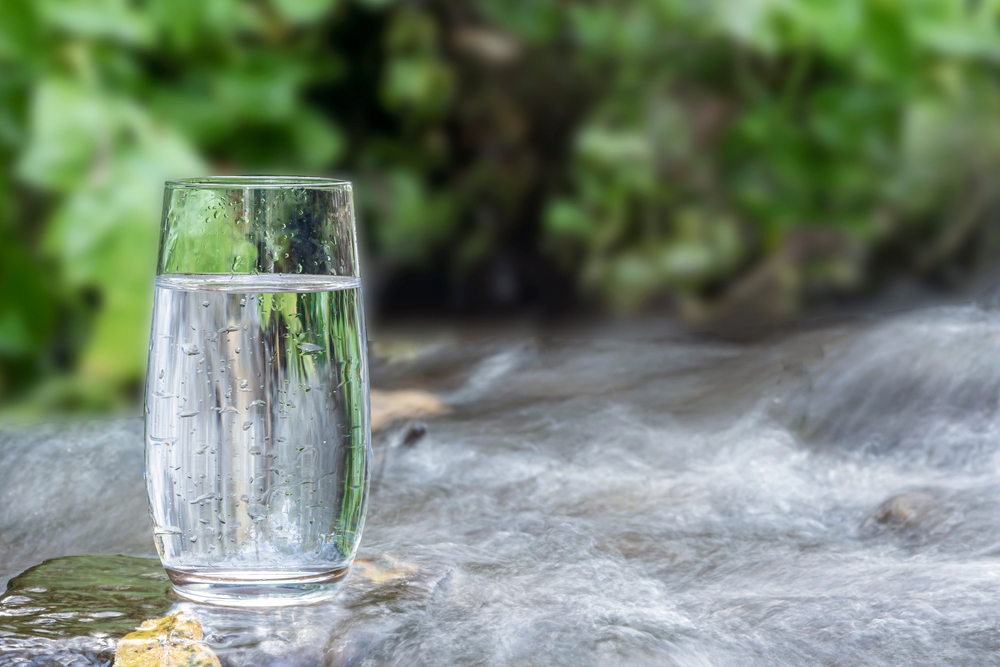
[[84, 595]]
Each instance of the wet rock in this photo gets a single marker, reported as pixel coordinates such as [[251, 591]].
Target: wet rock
[[414, 433], [173, 641], [75, 609], [392, 406], [912, 517]]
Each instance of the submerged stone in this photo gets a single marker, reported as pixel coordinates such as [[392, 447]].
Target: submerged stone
[[75, 609]]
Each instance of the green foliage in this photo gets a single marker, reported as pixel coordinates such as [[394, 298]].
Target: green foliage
[[640, 149]]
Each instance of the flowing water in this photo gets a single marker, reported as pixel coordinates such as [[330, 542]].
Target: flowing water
[[256, 424], [831, 497]]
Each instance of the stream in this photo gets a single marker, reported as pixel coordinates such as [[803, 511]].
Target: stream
[[827, 497]]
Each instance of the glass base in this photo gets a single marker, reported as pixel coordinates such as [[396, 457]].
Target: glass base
[[257, 589]]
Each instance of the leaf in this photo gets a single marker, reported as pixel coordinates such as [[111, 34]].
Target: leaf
[[565, 218], [265, 90], [105, 235], [63, 146], [20, 31], [318, 141], [537, 21], [115, 19], [27, 306], [375, 4], [410, 221], [417, 84], [304, 11]]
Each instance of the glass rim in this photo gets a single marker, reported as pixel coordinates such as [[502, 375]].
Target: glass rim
[[257, 182]]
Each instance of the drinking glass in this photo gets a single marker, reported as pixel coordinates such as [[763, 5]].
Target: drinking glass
[[257, 416]]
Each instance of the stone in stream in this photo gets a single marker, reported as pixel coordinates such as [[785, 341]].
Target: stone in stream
[[74, 609], [912, 517], [101, 610], [166, 642], [390, 406]]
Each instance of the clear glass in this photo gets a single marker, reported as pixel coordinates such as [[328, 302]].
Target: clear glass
[[257, 416]]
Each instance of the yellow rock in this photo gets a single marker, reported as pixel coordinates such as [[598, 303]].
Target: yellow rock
[[173, 641], [390, 406], [367, 569]]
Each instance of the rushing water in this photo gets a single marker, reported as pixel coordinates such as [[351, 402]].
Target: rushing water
[[256, 425], [828, 498]]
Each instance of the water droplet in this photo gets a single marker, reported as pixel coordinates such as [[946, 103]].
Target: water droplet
[[194, 538], [184, 415], [228, 410], [310, 348], [243, 302], [221, 518], [161, 374], [255, 404], [231, 328], [257, 512], [243, 384], [190, 349], [247, 425], [205, 303], [237, 350]]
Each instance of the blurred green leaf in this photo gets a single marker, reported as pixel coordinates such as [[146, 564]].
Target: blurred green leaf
[[376, 4], [304, 11], [536, 21], [27, 307], [20, 31], [115, 19], [63, 147], [412, 220], [417, 85], [318, 142], [106, 235]]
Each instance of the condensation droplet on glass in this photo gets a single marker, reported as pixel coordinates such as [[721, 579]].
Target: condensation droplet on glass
[[257, 512], [237, 350], [243, 302], [194, 538], [190, 349], [247, 425], [243, 384], [205, 303]]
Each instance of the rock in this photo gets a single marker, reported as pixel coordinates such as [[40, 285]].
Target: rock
[[391, 406], [415, 432], [72, 611], [912, 517], [85, 595], [384, 571], [172, 641]]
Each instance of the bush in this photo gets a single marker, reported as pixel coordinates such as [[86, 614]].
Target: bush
[[717, 154]]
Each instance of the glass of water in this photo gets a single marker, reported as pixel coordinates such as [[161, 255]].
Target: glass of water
[[257, 416]]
